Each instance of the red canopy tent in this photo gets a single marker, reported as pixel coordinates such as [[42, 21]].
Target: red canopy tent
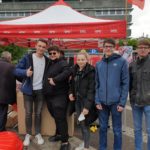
[[61, 21]]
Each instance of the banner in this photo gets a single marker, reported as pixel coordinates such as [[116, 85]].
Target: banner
[[126, 52]]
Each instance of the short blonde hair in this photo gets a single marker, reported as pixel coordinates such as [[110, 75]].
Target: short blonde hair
[[84, 54]]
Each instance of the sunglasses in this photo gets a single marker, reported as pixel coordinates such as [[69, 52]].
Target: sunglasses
[[54, 53]]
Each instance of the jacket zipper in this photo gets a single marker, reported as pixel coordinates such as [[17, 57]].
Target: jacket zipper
[[106, 81]]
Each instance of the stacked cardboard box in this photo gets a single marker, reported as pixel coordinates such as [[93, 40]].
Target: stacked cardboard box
[[12, 118]]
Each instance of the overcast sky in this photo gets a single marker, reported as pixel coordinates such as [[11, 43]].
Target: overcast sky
[[141, 21]]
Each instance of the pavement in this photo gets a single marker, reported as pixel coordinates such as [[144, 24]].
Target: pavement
[[128, 137]]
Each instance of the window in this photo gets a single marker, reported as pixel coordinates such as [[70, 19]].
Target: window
[[105, 12], [112, 12], [15, 14], [2, 14]]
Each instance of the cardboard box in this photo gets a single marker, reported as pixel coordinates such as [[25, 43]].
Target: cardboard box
[[48, 124], [12, 119]]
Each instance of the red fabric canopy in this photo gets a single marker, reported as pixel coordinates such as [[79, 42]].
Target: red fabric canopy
[[61, 21]]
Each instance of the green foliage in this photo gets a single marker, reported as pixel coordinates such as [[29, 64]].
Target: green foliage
[[129, 42], [132, 42], [121, 43], [16, 51]]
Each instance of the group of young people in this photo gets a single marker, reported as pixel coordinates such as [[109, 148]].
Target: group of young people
[[103, 89]]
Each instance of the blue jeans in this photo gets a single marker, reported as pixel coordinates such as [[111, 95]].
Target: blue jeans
[[137, 119], [117, 126]]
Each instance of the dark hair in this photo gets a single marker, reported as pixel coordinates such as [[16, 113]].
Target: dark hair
[[111, 41], [144, 42], [62, 52], [53, 48], [42, 40]]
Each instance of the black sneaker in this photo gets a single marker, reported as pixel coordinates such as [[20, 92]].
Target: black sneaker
[[54, 138], [65, 146]]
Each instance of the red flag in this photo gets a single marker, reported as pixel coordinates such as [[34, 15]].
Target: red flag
[[139, 3]]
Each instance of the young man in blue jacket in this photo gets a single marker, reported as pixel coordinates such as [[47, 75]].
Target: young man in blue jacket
[[112, 82], [31, 68]]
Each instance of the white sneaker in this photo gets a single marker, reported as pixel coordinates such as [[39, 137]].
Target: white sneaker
[[39, 139], [80, 147], [26, 141]]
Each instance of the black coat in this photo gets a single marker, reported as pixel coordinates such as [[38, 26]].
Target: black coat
[[140, 82], [7, 83], [60, 72], [85, 87]]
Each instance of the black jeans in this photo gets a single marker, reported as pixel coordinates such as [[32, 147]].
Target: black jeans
[[37, 99], [57, 106], [3, 116], [84, 128]]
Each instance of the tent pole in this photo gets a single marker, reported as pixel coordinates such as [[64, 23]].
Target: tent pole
[[126, 9], [126, 13]]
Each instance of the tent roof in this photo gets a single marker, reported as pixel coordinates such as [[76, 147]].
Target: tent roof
[[59, 13], [61, 21]]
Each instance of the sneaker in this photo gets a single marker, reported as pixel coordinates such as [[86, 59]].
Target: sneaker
[[80, 147], [27, 139], [39, 139]]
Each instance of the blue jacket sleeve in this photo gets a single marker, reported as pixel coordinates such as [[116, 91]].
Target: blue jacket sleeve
[[124, 84], [21, 68], [97, 84]]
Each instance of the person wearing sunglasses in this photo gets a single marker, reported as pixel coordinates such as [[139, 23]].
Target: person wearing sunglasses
[[56, 94], [140, 92], [112, 82]]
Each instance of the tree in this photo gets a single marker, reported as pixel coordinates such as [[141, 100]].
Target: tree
[[132, 42], [129, 42], [16, 51]]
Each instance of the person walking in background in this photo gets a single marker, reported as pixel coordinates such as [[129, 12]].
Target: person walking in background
[[56, 94], [31, 68], [112, 82], [6, 56], [82, 91], [7, 87], [140, 92]]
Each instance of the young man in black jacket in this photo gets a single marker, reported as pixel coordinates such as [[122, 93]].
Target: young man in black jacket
[[140, 92], [56, 94]]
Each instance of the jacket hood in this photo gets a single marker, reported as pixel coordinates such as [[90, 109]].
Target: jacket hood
[[112, 57]]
